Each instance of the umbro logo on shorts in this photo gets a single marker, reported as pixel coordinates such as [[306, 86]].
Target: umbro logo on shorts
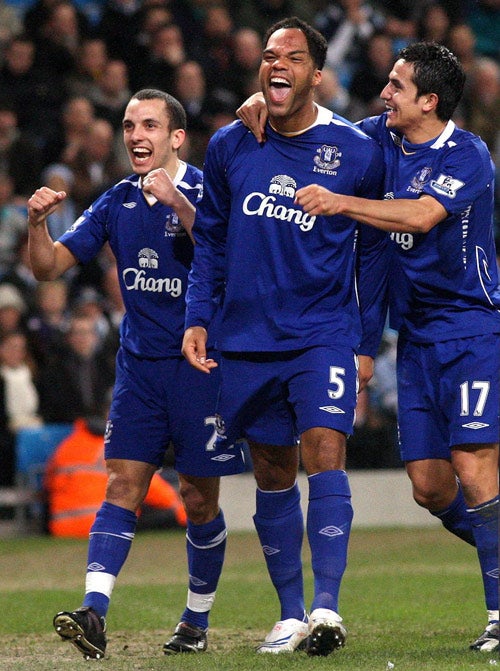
[[475, 425], [332, 409]]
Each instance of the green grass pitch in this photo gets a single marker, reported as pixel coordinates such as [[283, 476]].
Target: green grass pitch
[[411, 600]]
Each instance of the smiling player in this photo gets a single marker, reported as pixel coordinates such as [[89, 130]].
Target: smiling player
[[157, 398]]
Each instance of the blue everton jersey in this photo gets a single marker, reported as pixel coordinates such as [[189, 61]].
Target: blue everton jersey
[[289, 277], [446, 282], [153, 254]]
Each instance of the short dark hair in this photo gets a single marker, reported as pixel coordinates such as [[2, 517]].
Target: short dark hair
[[436, 70], [316, 43], [175, 110]]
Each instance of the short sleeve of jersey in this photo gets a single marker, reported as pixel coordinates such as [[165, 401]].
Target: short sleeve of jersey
[[464, 173], [89, 232]]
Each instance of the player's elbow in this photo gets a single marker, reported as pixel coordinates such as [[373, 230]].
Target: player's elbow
[[426, 214]]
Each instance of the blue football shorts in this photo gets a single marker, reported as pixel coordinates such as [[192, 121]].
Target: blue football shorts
[[273, 397], [448, 394], [163, 401]]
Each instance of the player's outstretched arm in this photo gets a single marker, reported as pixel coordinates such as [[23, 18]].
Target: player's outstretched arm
[[194, 348], [253, 114], [48, 259], [402, 215]]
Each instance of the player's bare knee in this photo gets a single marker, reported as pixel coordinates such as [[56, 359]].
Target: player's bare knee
[[201, 503], [124, 491]]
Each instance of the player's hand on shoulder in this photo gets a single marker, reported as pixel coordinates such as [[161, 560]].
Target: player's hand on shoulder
[[253, 114]]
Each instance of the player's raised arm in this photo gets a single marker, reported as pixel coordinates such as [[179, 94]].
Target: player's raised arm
[[48, 259]]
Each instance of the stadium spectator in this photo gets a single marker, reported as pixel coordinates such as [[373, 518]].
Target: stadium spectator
[[118, 27], [165, 52], [30, 91], [74, 384], [37, 15], [67, 137], [260, 14], [20, 158], [10, 25], [48, 323], [347, 26], [20, 274], [484, 19], [91, 59], [60, 177], [110, 93], [371, 76], [58, 39], [332, 95], [432, 22], [18, 371], [12, 310], [12, 224], [245, 62], [94, 167], [482, 115], [214, 47]]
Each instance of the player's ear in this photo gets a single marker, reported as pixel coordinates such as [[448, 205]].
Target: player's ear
[[177, 138], [316, 77], [430, 102]]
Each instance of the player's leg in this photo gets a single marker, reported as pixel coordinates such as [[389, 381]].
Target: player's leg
[[436, 488], [329, 518], [206, 543], [200, 462], [471, 401], [424, 438], [279, 523], [322, 386], [110, 539], [134, 447], [252, 404], [477, 467]]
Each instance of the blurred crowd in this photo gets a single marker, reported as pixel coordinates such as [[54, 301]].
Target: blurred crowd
[[67, 70]]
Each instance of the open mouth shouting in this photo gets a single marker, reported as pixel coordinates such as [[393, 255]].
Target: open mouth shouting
[[279, 90]]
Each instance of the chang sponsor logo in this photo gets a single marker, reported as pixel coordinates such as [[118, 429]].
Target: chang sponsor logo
[[264, 205], [403, 240], [136, 279]]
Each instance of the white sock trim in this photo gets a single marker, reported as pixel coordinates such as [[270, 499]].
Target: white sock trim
[[99, 582], [200, 603]]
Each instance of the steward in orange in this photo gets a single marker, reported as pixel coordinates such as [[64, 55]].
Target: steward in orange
[[75, 483]]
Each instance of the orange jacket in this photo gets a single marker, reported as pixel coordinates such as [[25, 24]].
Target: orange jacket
[[75, 482]]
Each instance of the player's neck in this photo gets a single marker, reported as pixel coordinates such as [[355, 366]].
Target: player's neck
[[296, 125], [425, 132], [172, 166]]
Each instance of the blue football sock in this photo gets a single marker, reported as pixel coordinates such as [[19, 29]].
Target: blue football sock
[[279, 523], [485, 528], [455, 518], [206, 545], [329, 518], [111, 536]]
